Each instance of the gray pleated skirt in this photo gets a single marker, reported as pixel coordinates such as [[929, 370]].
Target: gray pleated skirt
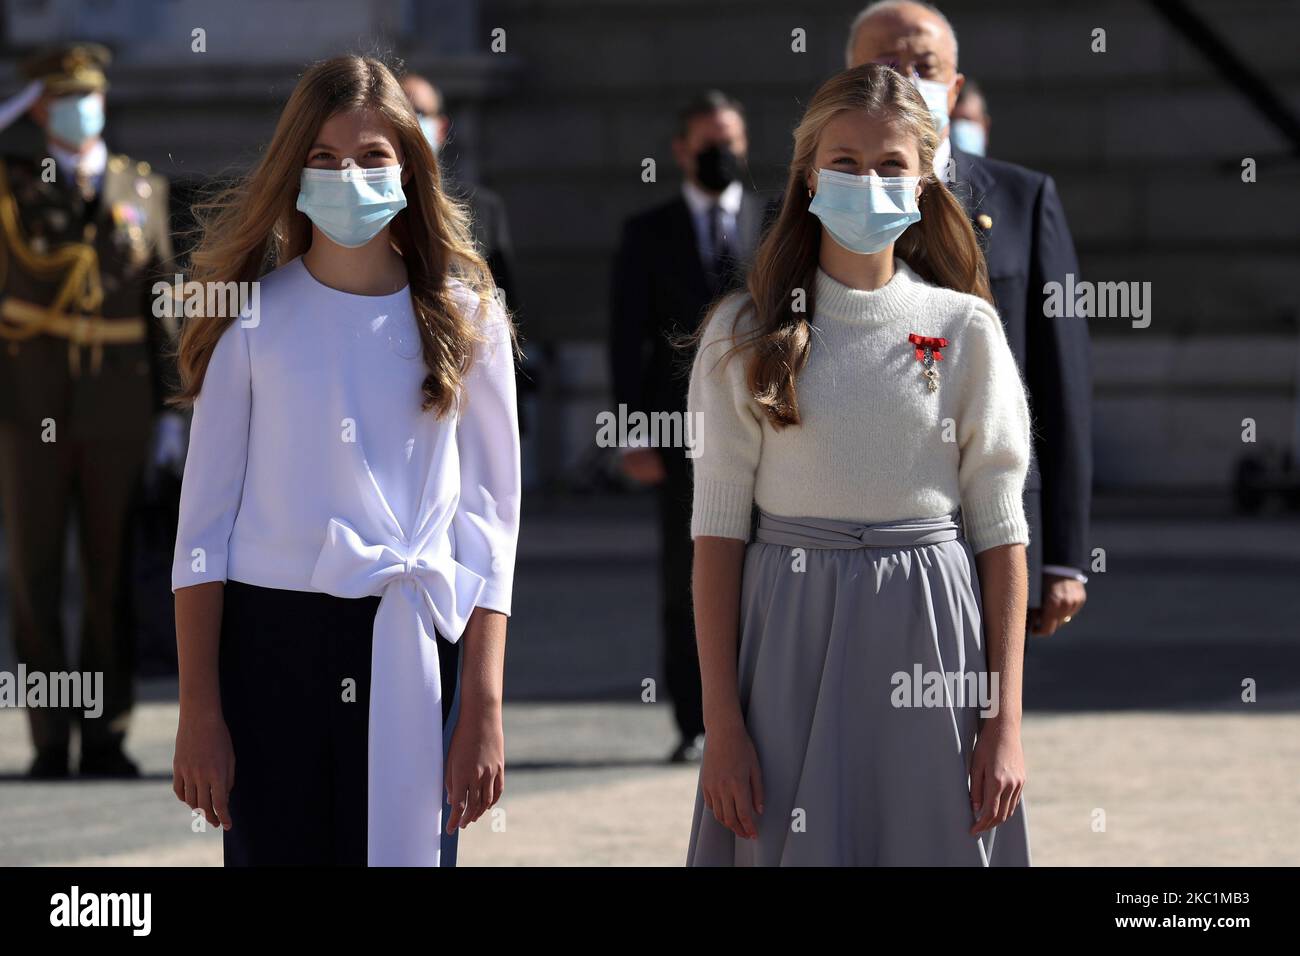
[[861, 657]]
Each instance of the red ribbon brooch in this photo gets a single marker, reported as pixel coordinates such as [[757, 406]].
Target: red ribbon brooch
[[927, 353]]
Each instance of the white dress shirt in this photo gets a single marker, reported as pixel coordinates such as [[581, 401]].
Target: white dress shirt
[[92, 162], [312, 467], [943, 153]]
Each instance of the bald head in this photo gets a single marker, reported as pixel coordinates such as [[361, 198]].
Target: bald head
[[907, 34], [915, 39]]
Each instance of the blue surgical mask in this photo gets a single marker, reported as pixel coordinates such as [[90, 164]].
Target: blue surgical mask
[[935, 94], [75, 119], [969, 136], [864, 214], [430, 126], [351, 205]]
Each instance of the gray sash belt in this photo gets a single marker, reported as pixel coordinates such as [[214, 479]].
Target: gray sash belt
[[842, 535]]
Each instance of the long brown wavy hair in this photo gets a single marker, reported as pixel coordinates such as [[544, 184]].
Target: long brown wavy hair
[[941, 248], [254, 226]]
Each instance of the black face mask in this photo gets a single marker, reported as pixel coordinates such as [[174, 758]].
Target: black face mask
[[717, 167]]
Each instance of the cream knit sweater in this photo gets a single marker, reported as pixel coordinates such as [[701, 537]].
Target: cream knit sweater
[[875, 444]]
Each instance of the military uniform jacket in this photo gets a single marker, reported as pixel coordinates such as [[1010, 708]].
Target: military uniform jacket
[[64, 258]]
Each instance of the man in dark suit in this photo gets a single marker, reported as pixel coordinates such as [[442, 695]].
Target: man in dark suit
[[1021, 226], [489, 225], [673, 261]]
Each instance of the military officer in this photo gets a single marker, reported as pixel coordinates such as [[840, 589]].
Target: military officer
[[84, 234]]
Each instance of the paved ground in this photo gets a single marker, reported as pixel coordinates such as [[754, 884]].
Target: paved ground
[[584, 787], [1140, 750]]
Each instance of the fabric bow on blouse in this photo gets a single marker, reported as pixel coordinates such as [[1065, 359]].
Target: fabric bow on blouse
[[423, 592]]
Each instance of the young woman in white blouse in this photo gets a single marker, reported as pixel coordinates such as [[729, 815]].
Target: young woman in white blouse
[[861, 679], [350, 503]]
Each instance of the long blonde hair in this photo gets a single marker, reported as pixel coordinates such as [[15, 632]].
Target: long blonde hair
[[254, 226], [941, 248]]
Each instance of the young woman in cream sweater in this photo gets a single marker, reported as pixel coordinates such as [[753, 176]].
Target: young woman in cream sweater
[[861, 644]]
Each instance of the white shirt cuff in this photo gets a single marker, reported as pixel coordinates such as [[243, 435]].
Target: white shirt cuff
[[1062, 571]]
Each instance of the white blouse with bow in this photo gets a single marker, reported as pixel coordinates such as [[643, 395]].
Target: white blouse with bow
[[312, 467]]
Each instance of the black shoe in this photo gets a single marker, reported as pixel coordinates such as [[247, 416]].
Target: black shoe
[[107, 761], [51, 763], [689, 750]]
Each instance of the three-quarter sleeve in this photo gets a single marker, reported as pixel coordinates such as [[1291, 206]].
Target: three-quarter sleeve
[[729, 430], [486, 522], [993, 435], [213, 483]]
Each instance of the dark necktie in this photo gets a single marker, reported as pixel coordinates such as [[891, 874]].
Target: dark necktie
[[723, 267]]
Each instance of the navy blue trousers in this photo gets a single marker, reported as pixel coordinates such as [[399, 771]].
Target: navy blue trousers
[[300, 744]]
